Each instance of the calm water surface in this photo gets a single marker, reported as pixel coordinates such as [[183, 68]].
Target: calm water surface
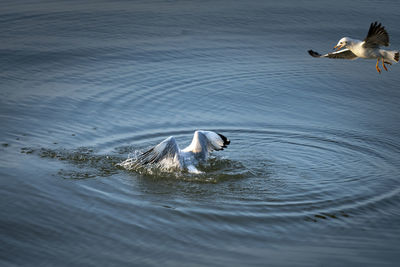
[[311, 177]]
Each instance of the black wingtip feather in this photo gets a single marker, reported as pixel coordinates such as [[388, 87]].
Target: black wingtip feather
[[377, 29], [396, 57], [225, 140], [313, 53]]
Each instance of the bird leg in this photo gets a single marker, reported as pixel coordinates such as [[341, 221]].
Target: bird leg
[[383, 64], [377, 66]]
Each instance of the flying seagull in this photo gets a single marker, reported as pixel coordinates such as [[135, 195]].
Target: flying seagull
[[167, 153], [368, 48]]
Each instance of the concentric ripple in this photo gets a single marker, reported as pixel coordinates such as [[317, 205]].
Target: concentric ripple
[[283, 173], [311, 174], [318, 174], [307, 174]]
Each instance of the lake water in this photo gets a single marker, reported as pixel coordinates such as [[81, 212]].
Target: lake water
[[311, 177]]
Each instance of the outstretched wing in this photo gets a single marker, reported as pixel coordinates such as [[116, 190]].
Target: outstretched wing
[[204, 142], [341, 54], [167, 149], [377, 36]]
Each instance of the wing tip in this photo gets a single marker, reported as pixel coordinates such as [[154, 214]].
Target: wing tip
[[225, 141], [376, 28], [313, 53]]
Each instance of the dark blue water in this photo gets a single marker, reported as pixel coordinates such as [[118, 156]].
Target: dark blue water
[[311, 177]]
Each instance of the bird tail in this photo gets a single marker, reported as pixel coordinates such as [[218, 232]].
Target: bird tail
[[391, 56]]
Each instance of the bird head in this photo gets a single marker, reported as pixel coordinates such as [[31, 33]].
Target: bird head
[[342, 43]]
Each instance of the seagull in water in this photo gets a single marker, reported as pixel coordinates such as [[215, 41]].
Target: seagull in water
[[167, 153], [368, 48]]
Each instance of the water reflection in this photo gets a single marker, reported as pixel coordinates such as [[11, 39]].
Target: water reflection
[[310, 176]]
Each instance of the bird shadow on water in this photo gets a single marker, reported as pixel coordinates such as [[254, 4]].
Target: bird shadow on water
[[86, 163]]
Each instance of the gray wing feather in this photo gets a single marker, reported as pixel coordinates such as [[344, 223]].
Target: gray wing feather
[[166, 149], [377, 36], [341, 54]]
